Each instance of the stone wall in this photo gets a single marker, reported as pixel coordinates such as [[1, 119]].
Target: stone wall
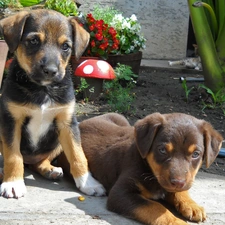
[[164, 24]]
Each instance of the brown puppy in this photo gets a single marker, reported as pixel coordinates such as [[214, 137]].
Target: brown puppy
[[37, 118], [156, 159]]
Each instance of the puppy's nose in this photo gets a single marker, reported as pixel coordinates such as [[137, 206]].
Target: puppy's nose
[[50, 70], [178, 183]]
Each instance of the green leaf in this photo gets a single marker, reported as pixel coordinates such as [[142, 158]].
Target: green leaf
[[209, 91]]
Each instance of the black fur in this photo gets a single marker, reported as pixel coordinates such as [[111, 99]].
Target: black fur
[[18, 88]]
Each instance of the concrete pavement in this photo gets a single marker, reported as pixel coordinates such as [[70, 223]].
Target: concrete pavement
[[48, 202]]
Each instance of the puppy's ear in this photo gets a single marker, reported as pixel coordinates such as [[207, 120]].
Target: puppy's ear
[[12, 29], [212, 141], [81, 38], [145, 132]]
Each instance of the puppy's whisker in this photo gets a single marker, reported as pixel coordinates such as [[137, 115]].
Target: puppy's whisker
[[148, 176]]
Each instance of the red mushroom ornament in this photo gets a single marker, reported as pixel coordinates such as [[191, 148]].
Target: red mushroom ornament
[[95, 71], [92, 68]]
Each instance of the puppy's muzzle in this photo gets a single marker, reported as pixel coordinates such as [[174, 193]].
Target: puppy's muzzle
[[177, 183], [50, 70]]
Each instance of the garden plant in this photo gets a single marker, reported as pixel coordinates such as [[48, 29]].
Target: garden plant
[[208, 20], [118, 92], [112, 33]]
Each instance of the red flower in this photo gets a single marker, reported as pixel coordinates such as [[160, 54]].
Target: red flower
[[92, 43], [99, 36], [103, 39], [105, 42], [105, 27], [102, 46], [116, 41], [91, 27], [99, 24], [112, 31], [115, 46], [90, 17]]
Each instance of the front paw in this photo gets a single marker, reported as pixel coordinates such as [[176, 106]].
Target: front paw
[[88, 185], [54, 174], [192, 211], [13, 189]]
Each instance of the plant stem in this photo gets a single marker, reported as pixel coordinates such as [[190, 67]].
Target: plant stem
[[220, 13], [211, 12], [212, 69], [220, 10]]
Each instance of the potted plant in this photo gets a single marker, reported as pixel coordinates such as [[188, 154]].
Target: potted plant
[[103, 39], [125, 43]]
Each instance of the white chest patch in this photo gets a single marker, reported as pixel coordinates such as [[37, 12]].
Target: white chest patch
[[40, 121]]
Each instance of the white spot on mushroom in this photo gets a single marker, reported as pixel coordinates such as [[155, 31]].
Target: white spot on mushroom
[[104, 66], [88, 69]]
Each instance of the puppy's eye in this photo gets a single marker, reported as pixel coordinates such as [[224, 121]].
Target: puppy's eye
[[34, 41], [195, 154], [163, 151], [65, 47]]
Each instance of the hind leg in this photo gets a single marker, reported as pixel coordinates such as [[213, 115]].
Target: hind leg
[[116, 118], [45, 168]]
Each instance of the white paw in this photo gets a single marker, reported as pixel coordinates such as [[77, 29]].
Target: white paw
[[88, 185], [54, 174], [13, 189]]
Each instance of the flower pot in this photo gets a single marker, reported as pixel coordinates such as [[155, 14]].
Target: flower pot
[[3, 55], [133, 60]]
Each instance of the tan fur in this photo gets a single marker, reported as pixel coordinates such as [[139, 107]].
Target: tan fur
[[192, 148], [77, 160], [159, 215], [169, 147], [13, 160], [186, 206], [24, 61]]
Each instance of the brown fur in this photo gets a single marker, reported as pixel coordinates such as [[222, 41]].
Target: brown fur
[[155, 159], [40, 39]]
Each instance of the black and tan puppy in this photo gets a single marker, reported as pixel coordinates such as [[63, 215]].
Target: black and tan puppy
[[37, 118], [156, 159]]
